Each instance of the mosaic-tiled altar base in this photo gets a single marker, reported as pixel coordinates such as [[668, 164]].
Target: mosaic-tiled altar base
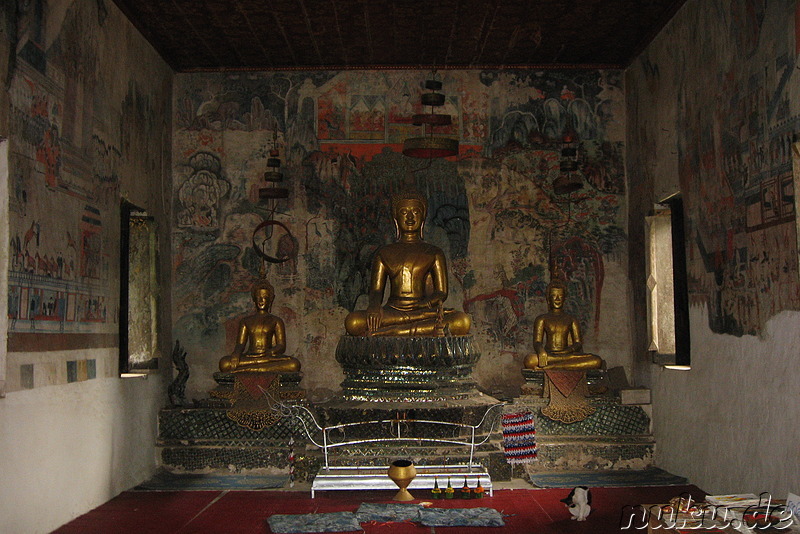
[[206, 438], [615, 436], [467, 411]]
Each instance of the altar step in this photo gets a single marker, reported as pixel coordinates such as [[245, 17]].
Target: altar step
[[617, 436], [206, 438], [428, 476]]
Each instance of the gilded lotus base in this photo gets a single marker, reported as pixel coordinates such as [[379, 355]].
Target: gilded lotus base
[[407, 369]]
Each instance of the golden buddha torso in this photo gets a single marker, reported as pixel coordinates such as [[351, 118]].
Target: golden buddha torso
[[259, 333], [408, 266], [417, 275], [557, 330]]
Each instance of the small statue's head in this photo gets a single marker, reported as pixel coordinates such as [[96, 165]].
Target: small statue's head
[[556, 293], [409, 210], [263, 294]]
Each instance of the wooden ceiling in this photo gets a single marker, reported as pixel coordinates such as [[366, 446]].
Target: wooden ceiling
[[213, 35]]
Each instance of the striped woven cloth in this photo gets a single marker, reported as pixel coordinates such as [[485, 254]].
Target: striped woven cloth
[[519, 437]]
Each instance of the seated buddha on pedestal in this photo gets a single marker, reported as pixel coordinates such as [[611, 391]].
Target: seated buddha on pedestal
[[411, 347], [417, 276], [261, 339], [557, 337]]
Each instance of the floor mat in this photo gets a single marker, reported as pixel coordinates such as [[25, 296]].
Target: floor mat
[[652, 476], [166, 481]]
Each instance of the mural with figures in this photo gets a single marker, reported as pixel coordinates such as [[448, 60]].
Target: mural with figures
[[76, 135], [492, 208], [736, 176]]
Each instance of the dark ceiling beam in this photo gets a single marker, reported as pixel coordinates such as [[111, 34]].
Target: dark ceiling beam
[[197, 34], [405, 32], [339, 32], [522, 29], [368, 31], [208, 35], [257, 34], [287, 41], [486, 29], [310, 29], [453, 32], [229, 24]]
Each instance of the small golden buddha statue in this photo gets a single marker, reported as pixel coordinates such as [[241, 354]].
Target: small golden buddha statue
[[557, 337], [261, 341], [417, 275]]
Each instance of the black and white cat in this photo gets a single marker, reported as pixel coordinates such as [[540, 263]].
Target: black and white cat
[[579, 502]]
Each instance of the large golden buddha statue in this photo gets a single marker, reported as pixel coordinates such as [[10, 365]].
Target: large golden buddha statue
[[261, 340], [557, 337], [417, 275]]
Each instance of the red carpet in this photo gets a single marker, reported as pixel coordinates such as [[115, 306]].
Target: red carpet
[[536, 511]]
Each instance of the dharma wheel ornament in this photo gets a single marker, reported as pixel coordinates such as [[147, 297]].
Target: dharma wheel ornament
[[430, 145]]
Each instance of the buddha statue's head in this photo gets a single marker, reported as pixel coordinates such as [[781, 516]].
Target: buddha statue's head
[[409, 210], [556, 294], [263, 294]]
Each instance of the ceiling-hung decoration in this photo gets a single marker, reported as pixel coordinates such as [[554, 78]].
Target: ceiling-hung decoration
[[273, 174], [265, 242], [569, 179], [430, 144]]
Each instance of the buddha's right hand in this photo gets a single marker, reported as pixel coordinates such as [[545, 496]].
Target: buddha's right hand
[[374, 318], [542, 358]]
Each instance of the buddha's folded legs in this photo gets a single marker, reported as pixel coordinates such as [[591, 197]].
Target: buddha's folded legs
[[410, 323], [261, 364], [567, 362]]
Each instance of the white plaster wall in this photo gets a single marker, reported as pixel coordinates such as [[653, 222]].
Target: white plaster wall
[[66, 449], [730, 425], [613, 343], [3, 260]]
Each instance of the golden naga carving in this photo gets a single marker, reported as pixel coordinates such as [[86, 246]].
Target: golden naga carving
[[557, 337], [417, 276], [261, 339]]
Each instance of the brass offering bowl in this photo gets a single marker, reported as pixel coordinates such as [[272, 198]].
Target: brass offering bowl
[[402, 472]]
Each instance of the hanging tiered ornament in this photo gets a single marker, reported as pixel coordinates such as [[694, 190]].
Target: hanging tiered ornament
[[429, 145], [265, 242], [569, 180], [273, 175]]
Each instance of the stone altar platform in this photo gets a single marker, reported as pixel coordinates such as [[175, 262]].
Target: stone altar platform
[[617, 436], [205, 437]]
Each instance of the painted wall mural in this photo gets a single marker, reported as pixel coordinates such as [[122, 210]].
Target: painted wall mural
[[492, 209], [74, 137], [735, 175]]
